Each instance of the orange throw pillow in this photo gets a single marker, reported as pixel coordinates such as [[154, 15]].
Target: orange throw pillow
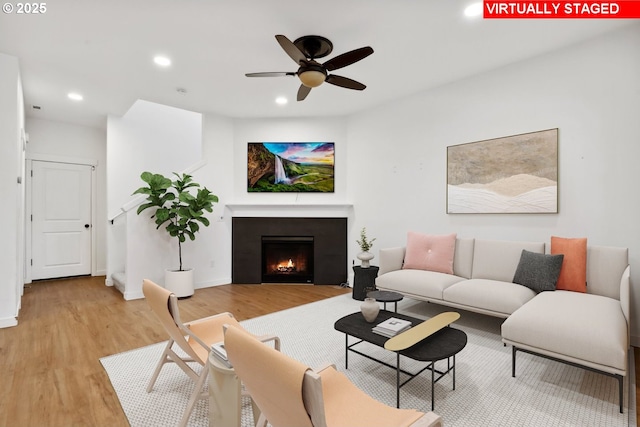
[[573, 276]]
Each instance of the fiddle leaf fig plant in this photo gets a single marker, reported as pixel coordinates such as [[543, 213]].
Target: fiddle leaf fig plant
[[180, 204]]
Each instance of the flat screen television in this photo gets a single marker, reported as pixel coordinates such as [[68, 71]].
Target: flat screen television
[[275, 167]]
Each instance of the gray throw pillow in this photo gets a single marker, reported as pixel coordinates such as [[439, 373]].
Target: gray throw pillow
[[538, 272]]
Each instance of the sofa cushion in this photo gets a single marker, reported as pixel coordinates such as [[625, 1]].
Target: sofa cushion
[[573, 276], [538, 272], [428, 284], [491, 295], [498, 260], [463, 257], [585, 327], [390, 259], [430, 252], [605, 266]]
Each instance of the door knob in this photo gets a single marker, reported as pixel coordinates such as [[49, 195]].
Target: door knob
[[87, 226]]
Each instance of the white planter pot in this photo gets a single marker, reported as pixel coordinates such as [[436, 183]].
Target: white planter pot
[[179, 282]]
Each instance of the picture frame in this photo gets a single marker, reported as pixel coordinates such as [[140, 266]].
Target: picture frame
[[276, 167], [512, 174]]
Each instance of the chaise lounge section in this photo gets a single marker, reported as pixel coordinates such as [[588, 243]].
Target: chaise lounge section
[[590, 330]]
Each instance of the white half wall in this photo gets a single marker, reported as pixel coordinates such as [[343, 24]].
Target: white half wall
[[590, 91]]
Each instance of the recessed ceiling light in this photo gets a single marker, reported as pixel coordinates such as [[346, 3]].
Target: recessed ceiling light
[[75, 96], [162, 61], [473, 10], [281, 100]]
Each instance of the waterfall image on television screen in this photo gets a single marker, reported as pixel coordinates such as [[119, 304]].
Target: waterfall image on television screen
[[290, 167]]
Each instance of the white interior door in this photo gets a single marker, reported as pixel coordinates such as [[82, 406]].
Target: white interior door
[[61, 220]]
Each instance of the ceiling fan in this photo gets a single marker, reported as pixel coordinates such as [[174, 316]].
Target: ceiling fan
[[304, 51]]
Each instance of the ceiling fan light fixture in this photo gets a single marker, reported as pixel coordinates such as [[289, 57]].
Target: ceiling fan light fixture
[[312, 78]]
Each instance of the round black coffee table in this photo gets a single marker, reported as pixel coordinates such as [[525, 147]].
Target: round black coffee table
[[444, 344], [385, 297]]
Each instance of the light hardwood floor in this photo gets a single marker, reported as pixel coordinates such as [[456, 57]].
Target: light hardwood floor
[[49, 363], [51, 374]]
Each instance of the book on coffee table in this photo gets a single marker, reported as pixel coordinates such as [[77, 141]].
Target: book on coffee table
[[391, 327]]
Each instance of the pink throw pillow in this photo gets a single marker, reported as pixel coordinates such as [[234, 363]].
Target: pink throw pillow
[[430, 252]]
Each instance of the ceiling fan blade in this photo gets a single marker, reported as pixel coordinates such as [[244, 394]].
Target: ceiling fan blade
[[344, 82], [347, 58], [291, 49], [275, 74], [303, 92]]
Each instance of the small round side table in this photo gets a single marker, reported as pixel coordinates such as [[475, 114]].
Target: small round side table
[[363, 279], [385, 297]]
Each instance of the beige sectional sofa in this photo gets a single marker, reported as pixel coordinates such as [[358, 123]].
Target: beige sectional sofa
[[590, 330]]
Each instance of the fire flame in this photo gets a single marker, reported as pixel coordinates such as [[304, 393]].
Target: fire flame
[[285, 267]]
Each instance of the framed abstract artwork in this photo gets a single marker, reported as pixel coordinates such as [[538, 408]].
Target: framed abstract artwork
[[512, 174], [275, 167]]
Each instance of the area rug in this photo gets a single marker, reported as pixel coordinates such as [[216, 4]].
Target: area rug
[[544, 392]]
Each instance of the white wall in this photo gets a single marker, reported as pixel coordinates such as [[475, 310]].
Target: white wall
[[149, 137], [591, 92], [11, 170], [57, 141]]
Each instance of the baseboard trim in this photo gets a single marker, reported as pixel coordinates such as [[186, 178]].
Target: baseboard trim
[[8, 322], [133, 295], [212, 283]]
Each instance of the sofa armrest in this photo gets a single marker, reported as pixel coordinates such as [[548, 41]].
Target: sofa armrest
[[625, 298], [391, 259]]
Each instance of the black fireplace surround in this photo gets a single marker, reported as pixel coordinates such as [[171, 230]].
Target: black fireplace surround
[[329, 237]]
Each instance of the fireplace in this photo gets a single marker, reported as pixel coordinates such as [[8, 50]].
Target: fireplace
[[287, 259], [324, 254]]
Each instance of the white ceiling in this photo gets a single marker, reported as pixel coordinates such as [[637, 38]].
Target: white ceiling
[[104, 50]]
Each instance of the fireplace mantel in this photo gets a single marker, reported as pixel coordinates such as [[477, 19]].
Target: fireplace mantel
[[290, 210]]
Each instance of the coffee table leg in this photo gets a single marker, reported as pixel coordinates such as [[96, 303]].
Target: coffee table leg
[[397, 380], [454, 371], [433, 368], [346, 351]]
